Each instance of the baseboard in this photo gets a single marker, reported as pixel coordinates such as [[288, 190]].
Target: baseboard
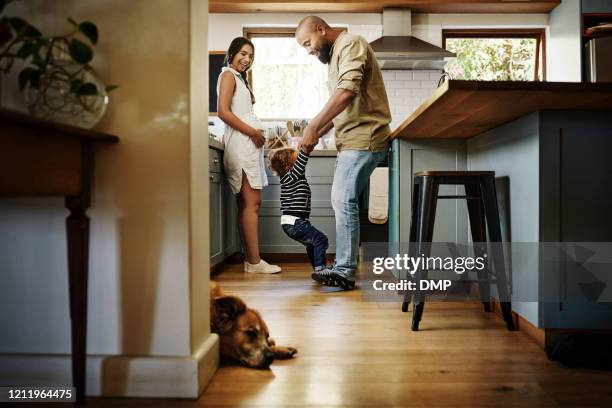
[[119, 376], [535, 334]]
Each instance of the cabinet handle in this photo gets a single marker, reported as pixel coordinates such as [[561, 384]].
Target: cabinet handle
[[216, 160], [211, 178]]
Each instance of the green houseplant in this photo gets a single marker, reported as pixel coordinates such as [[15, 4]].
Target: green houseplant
[[55, 76]]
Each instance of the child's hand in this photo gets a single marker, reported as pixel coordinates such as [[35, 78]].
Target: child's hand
[[307, 149]]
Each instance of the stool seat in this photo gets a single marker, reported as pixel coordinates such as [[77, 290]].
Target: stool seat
[[454, 173], [481, 199]]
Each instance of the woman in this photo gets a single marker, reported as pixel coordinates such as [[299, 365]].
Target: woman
[[244, 140]]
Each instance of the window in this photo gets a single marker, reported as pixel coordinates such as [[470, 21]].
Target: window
[[287, 82], [496, 55]]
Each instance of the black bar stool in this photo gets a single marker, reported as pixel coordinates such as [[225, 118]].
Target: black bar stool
[[482, 207]]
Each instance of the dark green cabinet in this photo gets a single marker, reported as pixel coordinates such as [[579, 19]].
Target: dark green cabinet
[[224, 236]]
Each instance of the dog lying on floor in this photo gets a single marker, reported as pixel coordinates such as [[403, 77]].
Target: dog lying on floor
[[243, 333]]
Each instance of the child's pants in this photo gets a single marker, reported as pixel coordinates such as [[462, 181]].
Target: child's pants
[[315, 241]]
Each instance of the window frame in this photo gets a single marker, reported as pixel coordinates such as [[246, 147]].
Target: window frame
[[538, 34], [266, 32], [273, 32]]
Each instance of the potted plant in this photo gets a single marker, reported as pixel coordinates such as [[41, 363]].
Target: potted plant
[[55, 77]]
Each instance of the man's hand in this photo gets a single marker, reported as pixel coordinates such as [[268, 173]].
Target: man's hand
[[309, 139]]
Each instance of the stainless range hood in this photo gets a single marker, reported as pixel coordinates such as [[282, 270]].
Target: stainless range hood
[[398, 49]]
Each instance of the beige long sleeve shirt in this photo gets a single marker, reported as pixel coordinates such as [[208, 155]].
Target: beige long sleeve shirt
[[364, 124]]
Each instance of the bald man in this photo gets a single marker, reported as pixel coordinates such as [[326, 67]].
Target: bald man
[[359, 111]]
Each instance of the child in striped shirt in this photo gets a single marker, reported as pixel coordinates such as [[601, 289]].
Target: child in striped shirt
[[295, 203]]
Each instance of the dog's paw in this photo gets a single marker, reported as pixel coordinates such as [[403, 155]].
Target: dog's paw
[[283, 352]]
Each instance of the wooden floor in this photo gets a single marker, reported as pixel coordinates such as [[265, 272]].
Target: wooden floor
[[355, 353]]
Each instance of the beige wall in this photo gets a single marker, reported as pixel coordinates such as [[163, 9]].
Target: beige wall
[[224, 27], [140, 283]]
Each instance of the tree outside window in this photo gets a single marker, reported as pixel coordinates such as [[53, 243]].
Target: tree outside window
[[513, 55], [287, 82]]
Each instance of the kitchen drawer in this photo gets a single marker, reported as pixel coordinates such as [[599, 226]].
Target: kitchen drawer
[[215, 161]]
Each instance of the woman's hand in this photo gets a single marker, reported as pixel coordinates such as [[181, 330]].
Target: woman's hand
[[257, 137]]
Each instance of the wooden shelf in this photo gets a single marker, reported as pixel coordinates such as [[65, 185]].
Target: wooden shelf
[[463, 109], [376, 6]]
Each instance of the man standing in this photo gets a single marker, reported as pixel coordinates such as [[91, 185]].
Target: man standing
[[359, 111]]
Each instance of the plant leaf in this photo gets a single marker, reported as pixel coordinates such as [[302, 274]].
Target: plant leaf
[[24, 77], [35, 79], [32, 31], [75, 85], [17, 23], [27, 48], [80, 51], [87, 89], [90, 31], [110, 88]]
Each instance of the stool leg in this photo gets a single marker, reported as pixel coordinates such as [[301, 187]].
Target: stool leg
[[492, 216], [426, 218], [479, 237], [413, 232]]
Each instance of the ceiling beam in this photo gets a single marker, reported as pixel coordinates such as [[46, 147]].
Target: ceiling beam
[[376, 6]]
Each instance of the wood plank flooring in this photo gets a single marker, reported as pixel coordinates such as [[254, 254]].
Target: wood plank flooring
[[355, 353]]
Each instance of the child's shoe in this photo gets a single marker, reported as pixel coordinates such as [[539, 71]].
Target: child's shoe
[[261, 267]]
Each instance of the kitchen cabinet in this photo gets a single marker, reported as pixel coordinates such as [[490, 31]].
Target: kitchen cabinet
[[224, 236], [559, 171], [550, 143], [596, 6], [272, 239]]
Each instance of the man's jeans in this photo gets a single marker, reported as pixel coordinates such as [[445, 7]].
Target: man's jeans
[[353, 170], [315, 241]]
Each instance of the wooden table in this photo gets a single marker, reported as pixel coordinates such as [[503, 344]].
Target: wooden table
[[463, 109], [44, 159]]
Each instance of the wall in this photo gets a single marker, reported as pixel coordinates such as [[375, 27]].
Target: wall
[[406, 89], [149, 258], [144, 280], [564, 50], [225, 27]]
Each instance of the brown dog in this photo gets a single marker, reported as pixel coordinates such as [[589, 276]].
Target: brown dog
[[243, 333]]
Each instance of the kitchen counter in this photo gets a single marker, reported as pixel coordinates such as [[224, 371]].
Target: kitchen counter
[[463, 109], [217, 145]]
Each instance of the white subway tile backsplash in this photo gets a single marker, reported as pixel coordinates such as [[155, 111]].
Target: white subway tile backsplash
[[407, 90], [403, 92], [420, 75], [429, 84], [403, 75], [435, 75], [414, 101], [412, 84], [422, 92], [389, 75], [394, 84]]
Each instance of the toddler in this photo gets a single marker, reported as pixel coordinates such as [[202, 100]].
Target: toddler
[[295, 203]]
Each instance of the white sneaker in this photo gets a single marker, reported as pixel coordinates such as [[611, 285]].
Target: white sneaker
[[261, 267]]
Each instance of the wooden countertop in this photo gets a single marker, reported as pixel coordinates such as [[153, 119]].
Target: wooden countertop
[[463, 109]]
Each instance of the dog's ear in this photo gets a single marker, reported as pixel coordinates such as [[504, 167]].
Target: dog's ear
[[226, 310]]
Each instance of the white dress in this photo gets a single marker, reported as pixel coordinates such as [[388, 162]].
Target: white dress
[[240, 153]]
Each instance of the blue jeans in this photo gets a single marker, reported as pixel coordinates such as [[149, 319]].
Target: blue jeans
[[315, 241], [353, 170]]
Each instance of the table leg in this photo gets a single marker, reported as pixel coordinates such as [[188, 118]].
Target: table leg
[[77, 228]]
